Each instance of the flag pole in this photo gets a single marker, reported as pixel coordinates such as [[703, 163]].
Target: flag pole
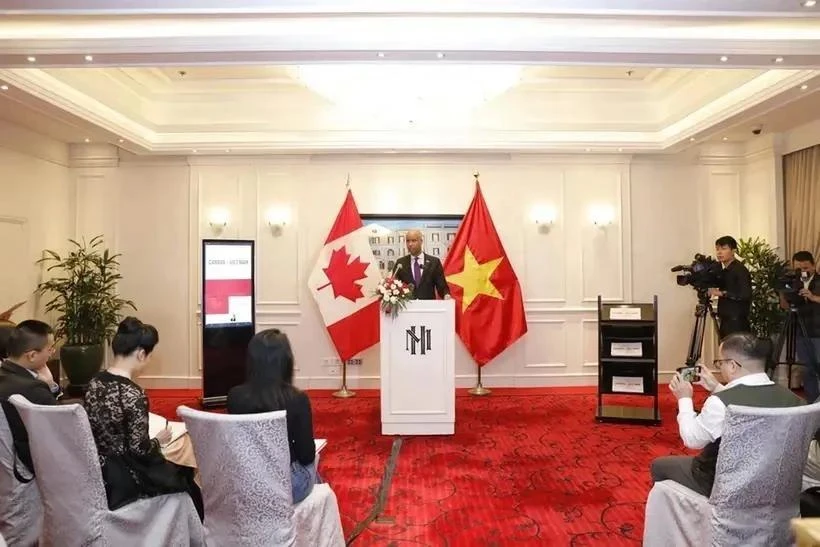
[[479, 389], [344, 393]]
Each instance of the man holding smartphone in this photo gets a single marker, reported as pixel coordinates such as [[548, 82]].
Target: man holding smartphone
[[742, 364]]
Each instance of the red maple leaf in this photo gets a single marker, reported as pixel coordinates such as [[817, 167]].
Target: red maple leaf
[[343, 275]]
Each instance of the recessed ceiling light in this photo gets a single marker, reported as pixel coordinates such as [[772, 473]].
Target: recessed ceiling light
[[620, 149], [778, 59], [725, 138], [228, 150], [89, 58], [4, 87], [122, 141], [724, 59], [380, 54], [804, 87], [440, 55], [194, 150], [809, 3], [87, 139], [587, 150], [691, 139], [32, 59]]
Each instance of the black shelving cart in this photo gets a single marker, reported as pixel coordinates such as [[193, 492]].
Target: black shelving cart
[[628, 361]]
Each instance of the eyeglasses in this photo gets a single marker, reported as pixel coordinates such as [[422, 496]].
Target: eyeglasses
[[717, 362]]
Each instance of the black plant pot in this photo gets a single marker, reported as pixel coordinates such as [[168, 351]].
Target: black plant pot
[[80, 364]]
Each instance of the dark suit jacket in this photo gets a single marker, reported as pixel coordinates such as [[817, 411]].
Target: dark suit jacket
[[432, 277], [737, 282], [14, 379]]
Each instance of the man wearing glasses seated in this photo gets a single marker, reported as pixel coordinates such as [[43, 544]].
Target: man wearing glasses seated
[[742, 365]]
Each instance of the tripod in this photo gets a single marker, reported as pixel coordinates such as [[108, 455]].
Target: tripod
[[703, 308], [788, 337]]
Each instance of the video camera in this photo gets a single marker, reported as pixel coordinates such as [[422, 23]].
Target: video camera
[[703, 273], [789, 282]]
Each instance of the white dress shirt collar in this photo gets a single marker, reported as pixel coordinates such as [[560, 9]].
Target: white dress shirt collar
[[756, 379]]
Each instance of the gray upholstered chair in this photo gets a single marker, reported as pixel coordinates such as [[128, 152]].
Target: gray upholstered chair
[[70, 481], [757, 484], [244, 465], [21, 511]]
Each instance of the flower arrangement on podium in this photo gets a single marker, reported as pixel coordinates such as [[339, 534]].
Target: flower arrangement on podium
[[393, 295]]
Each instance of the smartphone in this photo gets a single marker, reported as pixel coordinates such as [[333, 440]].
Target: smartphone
[[690, 374]]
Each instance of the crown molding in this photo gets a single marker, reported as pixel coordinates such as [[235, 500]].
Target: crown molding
[[94, 155], [802, 137], [47, 88], [25, 141]]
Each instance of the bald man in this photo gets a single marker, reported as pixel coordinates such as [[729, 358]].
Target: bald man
[[423, 271]]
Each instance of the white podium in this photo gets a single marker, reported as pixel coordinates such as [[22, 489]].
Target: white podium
[[418, 386]]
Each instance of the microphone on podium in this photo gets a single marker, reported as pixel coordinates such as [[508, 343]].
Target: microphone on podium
[[396, 268]]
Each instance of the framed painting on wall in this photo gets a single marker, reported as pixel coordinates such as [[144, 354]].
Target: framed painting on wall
[[387, 235]]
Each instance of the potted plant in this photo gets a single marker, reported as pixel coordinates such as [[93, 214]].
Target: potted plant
[[83, 294], [764, 265]]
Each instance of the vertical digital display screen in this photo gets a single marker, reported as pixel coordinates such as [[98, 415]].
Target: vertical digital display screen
[[228, 315], [228, 291]]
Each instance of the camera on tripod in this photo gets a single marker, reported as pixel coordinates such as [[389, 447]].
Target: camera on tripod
[[789, 283], [703, 273]]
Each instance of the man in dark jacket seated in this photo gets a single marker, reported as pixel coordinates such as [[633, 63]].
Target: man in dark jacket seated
[[30, 345]]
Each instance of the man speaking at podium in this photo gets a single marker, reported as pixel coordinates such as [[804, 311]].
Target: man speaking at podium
[[425, 272]]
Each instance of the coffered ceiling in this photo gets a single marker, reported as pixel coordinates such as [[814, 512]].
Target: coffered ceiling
[[287, 76]]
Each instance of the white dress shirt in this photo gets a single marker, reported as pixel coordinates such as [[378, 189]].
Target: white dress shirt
[[698, 430]]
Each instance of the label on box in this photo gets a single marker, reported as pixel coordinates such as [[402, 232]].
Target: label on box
[[625, 314], [626, 349], [627, 384]]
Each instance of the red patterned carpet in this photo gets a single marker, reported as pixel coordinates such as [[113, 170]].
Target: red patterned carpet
[[525, 467]]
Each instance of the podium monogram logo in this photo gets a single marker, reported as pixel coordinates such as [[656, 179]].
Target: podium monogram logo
[[417, 342]]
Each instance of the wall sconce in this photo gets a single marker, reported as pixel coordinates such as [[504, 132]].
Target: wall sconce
[[601, 215], [277, 219], [544, 217], [218, 219]]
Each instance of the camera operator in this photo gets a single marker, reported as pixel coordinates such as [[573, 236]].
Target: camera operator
[[807, 304], [735, 298]]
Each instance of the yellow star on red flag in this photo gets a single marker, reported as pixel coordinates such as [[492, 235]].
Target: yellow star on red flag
[[475, 278]]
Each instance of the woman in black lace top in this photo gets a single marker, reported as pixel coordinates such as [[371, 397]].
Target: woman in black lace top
[[132, 463]]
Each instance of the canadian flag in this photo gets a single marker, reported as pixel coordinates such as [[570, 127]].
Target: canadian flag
[[344, 282]]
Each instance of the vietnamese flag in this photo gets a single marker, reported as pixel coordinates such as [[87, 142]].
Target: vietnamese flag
[[489, 305]]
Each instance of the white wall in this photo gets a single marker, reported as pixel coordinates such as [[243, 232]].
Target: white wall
[[35, 212], [659, 223], [155, 212]]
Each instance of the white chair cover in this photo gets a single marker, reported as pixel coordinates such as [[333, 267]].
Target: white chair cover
[[70, 480], [21, 511], [756, 490], [244, 464], [759, 474]]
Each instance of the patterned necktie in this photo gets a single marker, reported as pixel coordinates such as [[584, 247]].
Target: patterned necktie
[[416, 270]]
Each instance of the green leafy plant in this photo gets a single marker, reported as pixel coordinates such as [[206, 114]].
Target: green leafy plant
[[83, 293], [764, 264]]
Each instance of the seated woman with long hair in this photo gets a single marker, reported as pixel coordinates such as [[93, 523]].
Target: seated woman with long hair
[[133, 466], [269, 387]]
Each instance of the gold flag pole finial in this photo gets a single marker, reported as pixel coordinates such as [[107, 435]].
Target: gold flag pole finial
[[347, 184], [476, 174]]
